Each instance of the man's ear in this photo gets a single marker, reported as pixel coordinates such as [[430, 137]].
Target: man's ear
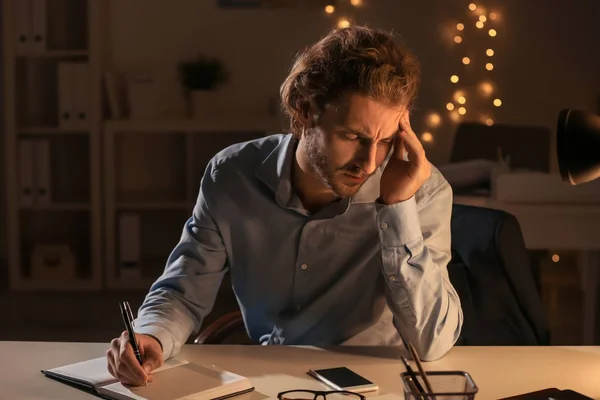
[[306, 114]]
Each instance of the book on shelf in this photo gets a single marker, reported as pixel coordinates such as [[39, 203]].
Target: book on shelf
[[34, 172]]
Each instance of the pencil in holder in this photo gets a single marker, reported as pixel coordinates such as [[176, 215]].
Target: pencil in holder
[[446, 385]]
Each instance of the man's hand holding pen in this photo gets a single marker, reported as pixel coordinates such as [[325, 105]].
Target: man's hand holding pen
[[132, 357]]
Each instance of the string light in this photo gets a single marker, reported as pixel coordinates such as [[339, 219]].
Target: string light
[[427, 137], [434, 120], [343, 23], [356, 3], [482, 88], [486, 88], [555, 258], [329, 9]]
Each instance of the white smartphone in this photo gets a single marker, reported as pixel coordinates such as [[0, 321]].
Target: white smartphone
[[342, 378]]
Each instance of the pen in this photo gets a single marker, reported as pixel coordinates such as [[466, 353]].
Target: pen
[[413, 378], [128, 321], [415, 356]]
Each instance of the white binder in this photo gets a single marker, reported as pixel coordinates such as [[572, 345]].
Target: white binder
[[42, 172], [81, 94], [26, 171], [66, 101], [23, 33], [38, 25]]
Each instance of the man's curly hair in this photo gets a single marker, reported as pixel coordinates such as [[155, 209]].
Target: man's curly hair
[[357, 59]]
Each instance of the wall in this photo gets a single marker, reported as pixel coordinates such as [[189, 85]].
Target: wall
[[545, 51], [3, 225]]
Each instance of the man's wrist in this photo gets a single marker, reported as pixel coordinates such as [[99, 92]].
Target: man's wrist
[[399, 223]]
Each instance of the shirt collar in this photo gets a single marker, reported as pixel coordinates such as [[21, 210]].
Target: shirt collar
[[275, 171]]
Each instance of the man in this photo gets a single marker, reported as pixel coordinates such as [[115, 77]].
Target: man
[[338, 233]]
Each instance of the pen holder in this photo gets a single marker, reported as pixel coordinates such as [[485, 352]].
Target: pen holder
[[446, 385]]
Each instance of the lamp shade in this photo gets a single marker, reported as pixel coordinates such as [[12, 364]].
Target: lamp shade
[[578, 146]]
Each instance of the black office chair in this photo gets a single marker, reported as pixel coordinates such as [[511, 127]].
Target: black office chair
[[491, 273]]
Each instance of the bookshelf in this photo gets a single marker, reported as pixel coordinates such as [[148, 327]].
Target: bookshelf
[[53, 170], [92, 203], [152, 176]]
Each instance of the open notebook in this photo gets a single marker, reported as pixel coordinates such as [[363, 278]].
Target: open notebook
[[174, 380]]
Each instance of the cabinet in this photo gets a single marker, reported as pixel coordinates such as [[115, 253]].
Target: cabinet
[[52, 143]]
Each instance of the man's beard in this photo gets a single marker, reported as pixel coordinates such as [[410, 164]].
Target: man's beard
[[326, 171]]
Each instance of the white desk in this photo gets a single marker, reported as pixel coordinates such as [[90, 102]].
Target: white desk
[[560, 227], [498, 371]]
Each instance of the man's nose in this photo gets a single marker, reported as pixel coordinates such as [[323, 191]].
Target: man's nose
[[368, 158]]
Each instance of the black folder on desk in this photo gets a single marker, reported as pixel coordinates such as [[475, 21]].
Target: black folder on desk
[[549, 394]]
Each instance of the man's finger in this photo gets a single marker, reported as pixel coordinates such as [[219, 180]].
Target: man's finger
[[414, 148], [405, 123], [399, 148], [110, 361], [126, 356]]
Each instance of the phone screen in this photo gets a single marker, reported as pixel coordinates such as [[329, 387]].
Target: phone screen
[[343, 377]]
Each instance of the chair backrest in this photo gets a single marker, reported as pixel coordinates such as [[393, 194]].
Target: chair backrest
[[529, 147], [491, 272]]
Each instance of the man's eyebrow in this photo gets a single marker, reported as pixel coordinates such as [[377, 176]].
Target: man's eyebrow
[[357, 132], [363, 135]]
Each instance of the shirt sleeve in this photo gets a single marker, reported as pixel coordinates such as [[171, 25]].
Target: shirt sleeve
[[415, 246], [185, 293]]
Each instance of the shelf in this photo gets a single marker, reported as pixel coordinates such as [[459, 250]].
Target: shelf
[[234, 122], [56, 54], [57, 207], [59, 286], [173, 205], [51, 130], [43, 229]]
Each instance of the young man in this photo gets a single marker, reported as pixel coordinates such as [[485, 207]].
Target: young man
[[338, 233]]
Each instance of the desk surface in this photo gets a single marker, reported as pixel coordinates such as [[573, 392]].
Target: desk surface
[[498, 371]]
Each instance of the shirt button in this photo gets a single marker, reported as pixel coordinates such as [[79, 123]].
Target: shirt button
[[384, 225], [304, 266]]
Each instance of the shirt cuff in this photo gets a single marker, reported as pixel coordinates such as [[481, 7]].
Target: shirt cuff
[[161, 334], [399, 223]]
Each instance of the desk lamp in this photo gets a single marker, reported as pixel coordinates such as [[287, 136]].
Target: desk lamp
[[578, 146]]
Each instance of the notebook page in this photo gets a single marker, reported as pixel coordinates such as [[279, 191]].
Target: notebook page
[[94, 372], [188, 380]]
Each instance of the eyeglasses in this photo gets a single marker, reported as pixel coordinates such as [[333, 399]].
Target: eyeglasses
[[315, 394]]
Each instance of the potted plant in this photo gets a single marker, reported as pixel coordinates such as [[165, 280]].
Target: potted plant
[[200, 78]]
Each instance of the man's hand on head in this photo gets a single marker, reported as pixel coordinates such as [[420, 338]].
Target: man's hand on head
[[402, 178]]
